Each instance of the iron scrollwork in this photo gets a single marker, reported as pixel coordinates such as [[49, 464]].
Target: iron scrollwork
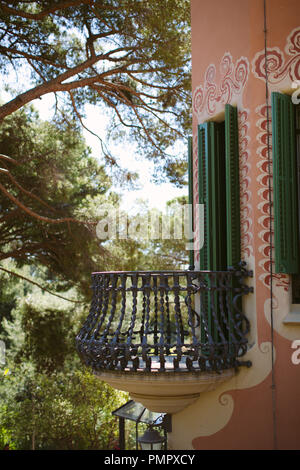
[[166, 321]]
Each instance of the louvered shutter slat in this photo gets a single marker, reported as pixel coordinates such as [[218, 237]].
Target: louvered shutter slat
[[232, 186]]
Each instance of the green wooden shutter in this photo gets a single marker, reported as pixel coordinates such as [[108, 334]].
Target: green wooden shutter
[[232, 186], [286, 236], [191, 198], [232, 207], [219, 191]]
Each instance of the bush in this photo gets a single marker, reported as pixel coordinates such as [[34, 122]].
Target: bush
[[60, 411]]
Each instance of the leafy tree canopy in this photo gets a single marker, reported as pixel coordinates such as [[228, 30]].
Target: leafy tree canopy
[[158, 243], [48, 400], [129, 57], [58, 412], [49, 194]]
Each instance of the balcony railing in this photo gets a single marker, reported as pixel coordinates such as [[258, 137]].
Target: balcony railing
[[166, 321]]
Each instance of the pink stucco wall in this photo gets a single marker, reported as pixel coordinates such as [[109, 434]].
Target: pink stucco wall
[[228, 41]]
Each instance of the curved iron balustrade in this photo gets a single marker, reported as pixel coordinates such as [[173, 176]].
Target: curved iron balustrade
[[166, 321]]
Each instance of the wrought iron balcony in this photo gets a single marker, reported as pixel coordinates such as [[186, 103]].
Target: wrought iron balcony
[[145, 321], [165, 322]]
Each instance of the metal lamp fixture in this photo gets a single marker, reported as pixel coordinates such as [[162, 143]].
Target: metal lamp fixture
[[152, 440]]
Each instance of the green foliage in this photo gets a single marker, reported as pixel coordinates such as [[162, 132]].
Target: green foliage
[[52, 177], [131, 58], [5, 437], [145, 252], [62, 411], [50, 401], [40, 330], [48, 334]]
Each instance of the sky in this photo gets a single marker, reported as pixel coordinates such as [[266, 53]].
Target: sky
[[155, 195]]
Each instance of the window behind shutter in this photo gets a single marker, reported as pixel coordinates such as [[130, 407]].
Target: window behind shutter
[[286, 236], [212, 193], [219, 191]]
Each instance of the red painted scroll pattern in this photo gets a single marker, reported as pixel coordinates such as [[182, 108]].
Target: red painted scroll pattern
[[196, 201], [265, 234], [280, 68], [245, 192], [210, 98]]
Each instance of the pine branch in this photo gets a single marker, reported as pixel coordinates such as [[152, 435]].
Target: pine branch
[[47, 11], [37, 216], [40, 286]]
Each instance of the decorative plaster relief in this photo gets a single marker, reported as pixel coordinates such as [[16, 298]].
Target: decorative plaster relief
[[282, 69], [266, 173], [196, 201], [245, 182], [213, 410], [209, 99]]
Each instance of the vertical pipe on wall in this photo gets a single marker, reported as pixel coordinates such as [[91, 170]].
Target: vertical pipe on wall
[[271, 233]]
